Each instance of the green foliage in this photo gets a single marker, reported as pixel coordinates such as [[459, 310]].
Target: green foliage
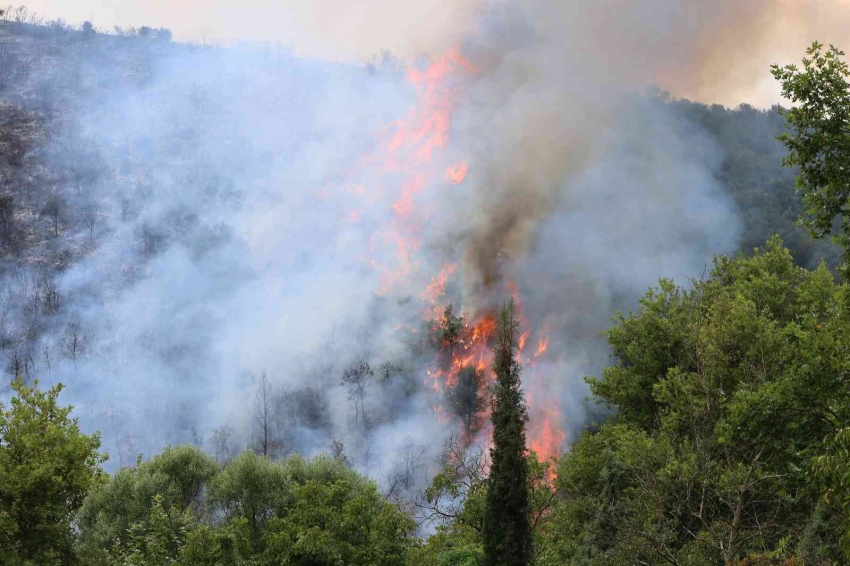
[[750, 173], [173, 480], [307, 512], [255, 512], [832, 469], [819, 141], [338, 522], [227, 545], [729, 395], [455, 546], [151, 542], [46, 468], [251, 488], [506, 531]]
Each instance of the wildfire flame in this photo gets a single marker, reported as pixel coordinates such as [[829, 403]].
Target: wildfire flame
[[409, 151], [456, 173]]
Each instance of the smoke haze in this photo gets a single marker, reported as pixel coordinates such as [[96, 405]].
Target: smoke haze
[[275, 229], [712, 51]]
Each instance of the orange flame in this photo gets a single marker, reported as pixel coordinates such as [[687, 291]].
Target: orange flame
[[437, 287], [456, 173], [408, 150], [542, 346]]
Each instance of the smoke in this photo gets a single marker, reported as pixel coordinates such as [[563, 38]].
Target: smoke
[[714, 51], [257, 218]]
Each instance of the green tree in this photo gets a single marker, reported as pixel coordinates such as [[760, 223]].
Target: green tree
[[729, 393], [151, 542], [831, 470], [301, 512], [174, 480], [819, 141], [335, 516], [252, 489], [506, 530], [46, 468], [457, 501]]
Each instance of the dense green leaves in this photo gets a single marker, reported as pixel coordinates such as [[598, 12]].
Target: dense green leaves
[[46, 468], [173, 480], [819, 141], [254, 511], [832, 469], [728, 393], [506, 532]]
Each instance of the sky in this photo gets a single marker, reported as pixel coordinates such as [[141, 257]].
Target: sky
[[332, 29], [750, 37]]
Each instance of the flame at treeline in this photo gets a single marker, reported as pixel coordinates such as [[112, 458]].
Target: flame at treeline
[[407, 163]]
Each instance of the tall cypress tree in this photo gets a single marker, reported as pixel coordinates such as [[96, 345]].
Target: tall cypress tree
[[506, 533]]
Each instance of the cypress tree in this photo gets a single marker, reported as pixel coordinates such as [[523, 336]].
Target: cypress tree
[[506, 532]]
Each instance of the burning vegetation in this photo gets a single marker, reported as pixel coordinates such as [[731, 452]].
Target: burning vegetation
[[352, 311]]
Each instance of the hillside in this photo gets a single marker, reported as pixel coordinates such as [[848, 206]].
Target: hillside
[[96, 201], [487, 307]]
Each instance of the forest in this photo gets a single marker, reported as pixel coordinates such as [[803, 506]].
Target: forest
[[203, 364]]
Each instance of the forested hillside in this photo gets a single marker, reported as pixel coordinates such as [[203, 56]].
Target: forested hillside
[[208, 361], [764, 192]]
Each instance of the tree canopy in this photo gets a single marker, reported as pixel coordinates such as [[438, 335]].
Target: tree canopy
[[47, 467], [819, 140], [728, 391], [506, 533]]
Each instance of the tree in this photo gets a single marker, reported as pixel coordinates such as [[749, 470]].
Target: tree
[[251, 488], [149, 238], [819, 141], [466, 399], [151, 542], [73, 343], [729, 394], [448, 332], [457, 501], [173, 481], [506, 531], [263, 415], [454, 496], [337, 451], [16, 366], [221, 442], [125, 205], [335, 516], [357, 377], [49, 296], [7, 217], [47, 465], [403, 477], [831, 471], [54, 209], [91, 217]]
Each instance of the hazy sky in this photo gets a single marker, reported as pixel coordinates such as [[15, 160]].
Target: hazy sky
[[330, 28], [746, 39]]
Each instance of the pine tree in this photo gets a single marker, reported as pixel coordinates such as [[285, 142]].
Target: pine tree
[[506, 533]]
